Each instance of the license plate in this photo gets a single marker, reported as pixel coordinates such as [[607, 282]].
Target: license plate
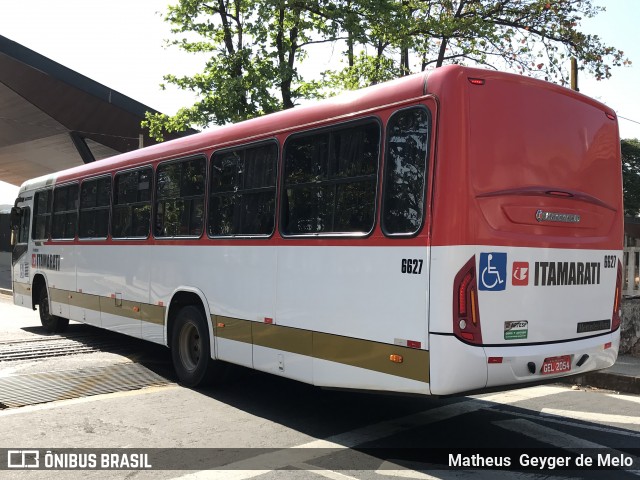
[[556, 364]]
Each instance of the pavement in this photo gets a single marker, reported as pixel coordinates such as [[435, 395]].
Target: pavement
[[623, 376]]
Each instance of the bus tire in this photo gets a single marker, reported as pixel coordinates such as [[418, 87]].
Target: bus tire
[[191, 350], [50, 322]]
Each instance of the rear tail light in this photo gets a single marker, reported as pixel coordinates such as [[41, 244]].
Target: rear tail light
[[466, 314], [615, 317]]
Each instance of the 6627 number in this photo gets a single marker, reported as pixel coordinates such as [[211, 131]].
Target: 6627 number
[[411, 266]]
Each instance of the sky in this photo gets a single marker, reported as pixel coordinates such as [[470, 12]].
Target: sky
[[121, 44]]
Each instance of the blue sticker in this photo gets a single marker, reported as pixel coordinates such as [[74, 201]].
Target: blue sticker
[[493, 271]]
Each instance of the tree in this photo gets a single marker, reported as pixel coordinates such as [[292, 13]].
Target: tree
[[253, 46], [532, 37], [630, 149], [256, 47]]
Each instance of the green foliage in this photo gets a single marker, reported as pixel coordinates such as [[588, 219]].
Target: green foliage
[[630, 149], [532, 37], [255, 47]]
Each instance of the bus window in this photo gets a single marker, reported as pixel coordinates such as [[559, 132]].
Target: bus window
[[41, 215], [180, 198], [23, 228], [405, 171], [132, 204], [330, 181], [243, 191], [95, 200], [65, 212]]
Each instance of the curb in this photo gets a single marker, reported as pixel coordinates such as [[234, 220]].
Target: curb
[[6, 291], [607, 381]]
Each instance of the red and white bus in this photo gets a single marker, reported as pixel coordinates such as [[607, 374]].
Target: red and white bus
[[447, 232]]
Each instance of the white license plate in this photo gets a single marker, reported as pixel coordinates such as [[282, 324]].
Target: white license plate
[[556, 365]]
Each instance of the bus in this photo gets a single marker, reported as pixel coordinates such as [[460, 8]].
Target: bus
[[453, 231]]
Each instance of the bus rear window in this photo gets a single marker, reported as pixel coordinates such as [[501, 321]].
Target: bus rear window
[[405, 171]]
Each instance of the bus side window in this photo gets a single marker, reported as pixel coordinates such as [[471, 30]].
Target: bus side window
[[406, 159], [330, 180], [41, 215], [131, 204], [95, 201], [23, 229], [180, 198], [243, 191], [65, 212]]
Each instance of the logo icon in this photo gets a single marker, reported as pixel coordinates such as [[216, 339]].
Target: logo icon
[[520, 274], [543, 216], [23, 458], [493, 271]]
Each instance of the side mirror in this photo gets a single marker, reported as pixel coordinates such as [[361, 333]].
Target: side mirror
[[16, 215]]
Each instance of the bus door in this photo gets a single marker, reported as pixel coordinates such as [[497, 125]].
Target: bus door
[[20, 258]]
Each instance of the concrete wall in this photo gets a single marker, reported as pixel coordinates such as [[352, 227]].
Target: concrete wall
[[5, 249], [630, 333], [5, 270], [5, 233]]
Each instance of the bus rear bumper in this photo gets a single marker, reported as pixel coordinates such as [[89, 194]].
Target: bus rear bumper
[[457, 367], [533, 363]]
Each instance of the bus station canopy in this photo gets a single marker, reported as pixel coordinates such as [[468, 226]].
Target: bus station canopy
[[52, 117]]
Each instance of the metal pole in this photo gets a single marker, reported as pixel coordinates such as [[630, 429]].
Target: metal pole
[[574, 74]]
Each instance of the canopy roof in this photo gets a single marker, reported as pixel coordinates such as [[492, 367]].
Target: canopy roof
[[53, 118]]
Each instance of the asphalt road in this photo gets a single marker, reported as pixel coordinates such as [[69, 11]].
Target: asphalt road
[[92, 390]]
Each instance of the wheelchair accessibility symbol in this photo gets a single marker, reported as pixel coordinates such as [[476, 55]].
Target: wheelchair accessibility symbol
[[493, 271]]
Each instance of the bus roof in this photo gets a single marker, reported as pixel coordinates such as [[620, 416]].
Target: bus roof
[[440, 82]]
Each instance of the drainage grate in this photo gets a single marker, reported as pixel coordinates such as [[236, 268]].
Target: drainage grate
[[30, 389], [57, 346]]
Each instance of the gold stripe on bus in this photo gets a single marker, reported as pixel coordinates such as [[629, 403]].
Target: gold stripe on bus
[[84, 300], [21, 288], [122, 308], [135, 310], [232, 328], [152, 313], [355, 352], [372, 355], [288, 339], [58, 295]]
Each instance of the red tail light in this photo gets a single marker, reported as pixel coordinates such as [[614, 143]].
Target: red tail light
[[615, 317], [466, 314]]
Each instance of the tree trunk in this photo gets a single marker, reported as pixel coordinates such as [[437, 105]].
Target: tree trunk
[[443, 48]]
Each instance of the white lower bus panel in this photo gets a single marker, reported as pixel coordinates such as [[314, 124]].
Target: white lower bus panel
[[286, 364]]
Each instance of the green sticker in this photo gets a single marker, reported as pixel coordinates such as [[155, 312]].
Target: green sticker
[[517, 330]]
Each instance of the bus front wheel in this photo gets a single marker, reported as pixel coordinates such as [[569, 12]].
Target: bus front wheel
[[191, 350], [50, 322]]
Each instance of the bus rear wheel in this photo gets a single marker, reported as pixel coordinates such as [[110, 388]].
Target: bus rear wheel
[[191, 350], [50, 322]]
